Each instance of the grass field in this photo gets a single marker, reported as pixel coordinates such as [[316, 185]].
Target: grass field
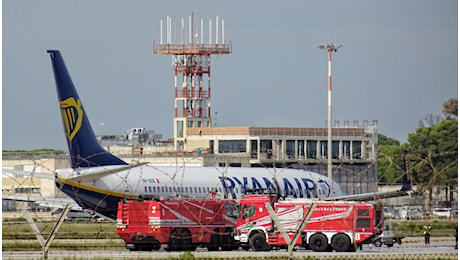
[[18, 235]]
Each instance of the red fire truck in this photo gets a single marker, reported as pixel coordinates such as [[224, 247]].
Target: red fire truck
[[337, 225], [180, 224]]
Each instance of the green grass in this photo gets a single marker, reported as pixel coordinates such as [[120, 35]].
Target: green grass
[[19, 236], [413, 228], [68, 230], [36, 152], [71, 245]]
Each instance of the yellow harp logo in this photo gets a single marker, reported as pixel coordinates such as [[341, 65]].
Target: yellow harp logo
[[72, 114]]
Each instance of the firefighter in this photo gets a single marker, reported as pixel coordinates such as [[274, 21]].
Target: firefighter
[[427, 234], [213, 193]]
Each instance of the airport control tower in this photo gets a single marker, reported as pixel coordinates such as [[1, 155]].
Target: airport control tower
[[191, 63]]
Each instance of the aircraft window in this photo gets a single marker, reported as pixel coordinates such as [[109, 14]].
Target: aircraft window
[[186, 189], [150, 189], [196, 190], [199, 189], [162, 189], [145, 188], [170, 190]]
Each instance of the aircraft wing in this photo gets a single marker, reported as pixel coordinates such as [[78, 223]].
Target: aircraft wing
[[50, 202], [373, 195], [405, 190]]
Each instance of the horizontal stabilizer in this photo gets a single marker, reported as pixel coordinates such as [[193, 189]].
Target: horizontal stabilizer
[[48, 176]]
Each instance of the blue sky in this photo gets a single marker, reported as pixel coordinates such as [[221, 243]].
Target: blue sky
[[399, 62]]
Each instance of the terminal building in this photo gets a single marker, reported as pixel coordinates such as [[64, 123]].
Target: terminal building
[[354, 150]]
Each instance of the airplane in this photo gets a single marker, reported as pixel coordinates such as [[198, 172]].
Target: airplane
[[98, 180]]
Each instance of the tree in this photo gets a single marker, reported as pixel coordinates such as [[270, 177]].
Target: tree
[[433, 151], [385, 140], [390, 162], [450, 108], [429, 120]]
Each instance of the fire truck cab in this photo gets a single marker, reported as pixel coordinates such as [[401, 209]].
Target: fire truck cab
[[338, 225], [181, 224]]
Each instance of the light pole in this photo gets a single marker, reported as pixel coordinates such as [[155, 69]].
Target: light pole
[[330, 48]]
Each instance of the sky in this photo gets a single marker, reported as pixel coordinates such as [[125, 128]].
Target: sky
[[398, 63]]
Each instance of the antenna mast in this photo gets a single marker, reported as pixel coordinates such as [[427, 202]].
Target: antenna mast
[[330, 48], [192, 65]]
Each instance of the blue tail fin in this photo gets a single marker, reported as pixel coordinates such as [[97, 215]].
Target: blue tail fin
[[84, 149]]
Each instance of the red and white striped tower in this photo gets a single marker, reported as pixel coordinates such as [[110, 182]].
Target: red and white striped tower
[[191, 65], [330, 48]]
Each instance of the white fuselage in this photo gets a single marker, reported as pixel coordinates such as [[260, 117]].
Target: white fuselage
[[201, 182]]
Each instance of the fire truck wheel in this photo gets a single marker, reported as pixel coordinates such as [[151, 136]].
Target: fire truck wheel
[[227, 243], [341, 243], [156, 245], [258, 242], [185, 240], [145, 245], [173, 244], [214, 244], [318, 243], [378, 242]]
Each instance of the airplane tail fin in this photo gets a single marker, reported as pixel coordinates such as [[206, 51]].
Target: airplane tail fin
[[84, 149], [406, 180]]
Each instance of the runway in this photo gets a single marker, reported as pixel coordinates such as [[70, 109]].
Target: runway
[[441, 248]]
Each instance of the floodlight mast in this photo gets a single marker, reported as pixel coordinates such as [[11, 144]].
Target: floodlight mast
[[330, 48]]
